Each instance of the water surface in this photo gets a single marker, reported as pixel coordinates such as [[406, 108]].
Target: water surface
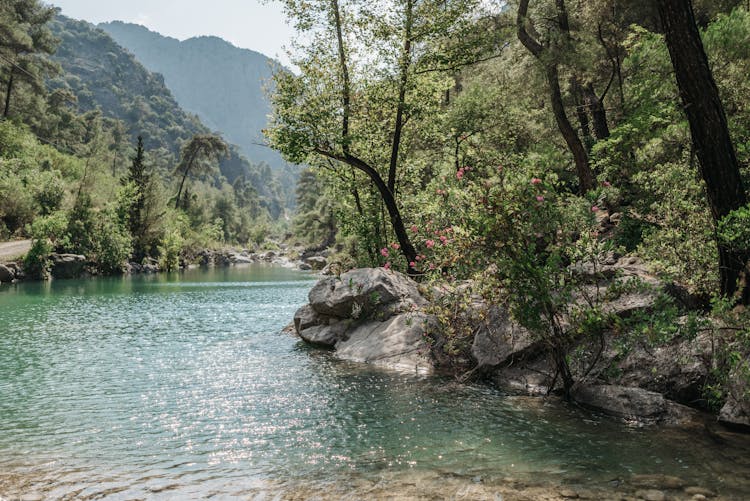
[[182, 386]]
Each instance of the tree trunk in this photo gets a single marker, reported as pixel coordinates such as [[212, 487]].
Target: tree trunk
[[599, 114], [386, 192], [575, 145], [581, 158], [403, 80], [709, 130], [581, 110], [394, 214], [8, 92]]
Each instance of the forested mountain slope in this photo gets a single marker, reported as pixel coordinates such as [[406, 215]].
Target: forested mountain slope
[[102, 74], [222, 84]]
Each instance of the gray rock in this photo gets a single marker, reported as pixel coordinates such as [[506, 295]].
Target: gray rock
[[241, 259], [304, 267], [365, 293], [398, 343], [736, 410], [651, 495], [500, 341], [678, 370], [6, 274], [67, 265], [318, 329], [317, 263], [633, 404]]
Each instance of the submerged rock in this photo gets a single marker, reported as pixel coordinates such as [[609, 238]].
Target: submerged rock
[[633, 404]]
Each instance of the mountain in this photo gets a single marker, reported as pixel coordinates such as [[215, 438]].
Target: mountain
[[104, 75], [222, 84]]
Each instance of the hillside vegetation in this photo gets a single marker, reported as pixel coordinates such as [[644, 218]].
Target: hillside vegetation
[[73, 175]]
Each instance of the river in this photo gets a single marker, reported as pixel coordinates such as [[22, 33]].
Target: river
[[182, 387]]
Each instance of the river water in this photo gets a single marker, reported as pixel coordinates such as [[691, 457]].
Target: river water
[[182, 387]]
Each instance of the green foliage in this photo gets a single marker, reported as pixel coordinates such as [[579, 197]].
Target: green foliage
[[48, 233], [734, 229]]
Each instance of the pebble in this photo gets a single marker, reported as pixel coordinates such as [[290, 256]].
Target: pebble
[[699, 497], [651, 495], [700, 490], [569, 494], [657, 481]]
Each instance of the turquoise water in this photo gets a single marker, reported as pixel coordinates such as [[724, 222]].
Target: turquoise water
[[183, 387]]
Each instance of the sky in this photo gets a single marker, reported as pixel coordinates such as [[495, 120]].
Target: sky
[[248, 24]]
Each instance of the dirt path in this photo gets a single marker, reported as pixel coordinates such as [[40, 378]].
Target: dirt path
[[13, 250]]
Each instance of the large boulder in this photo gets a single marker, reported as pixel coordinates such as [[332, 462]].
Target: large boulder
[[365, 293], [67, 265], [368, 315], [6, 274], [633, 404]]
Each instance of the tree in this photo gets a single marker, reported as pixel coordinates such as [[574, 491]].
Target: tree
[[196, 155], [548, 55], [358, 113], [139, 181], [25, 39], [710, 134]]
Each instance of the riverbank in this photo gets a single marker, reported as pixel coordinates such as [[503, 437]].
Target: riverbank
[[67, 266], [383, 318]]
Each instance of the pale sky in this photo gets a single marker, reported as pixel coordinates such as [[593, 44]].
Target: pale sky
[[249, 24]]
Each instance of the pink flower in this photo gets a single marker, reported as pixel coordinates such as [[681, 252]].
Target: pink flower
[[384, 252], [606, 184], [539, 198], [387, 266], [432, 266], [412, 264], [414, 228], [395, 246], [430, 244], [443, 239], [536, 180], [595, 209], [460, 174]]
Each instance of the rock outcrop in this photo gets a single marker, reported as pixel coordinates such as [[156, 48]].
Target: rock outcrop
[[368, 315], [6, 274], [67, 265]]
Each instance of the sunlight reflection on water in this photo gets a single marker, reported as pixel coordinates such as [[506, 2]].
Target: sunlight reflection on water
[[181, 387]]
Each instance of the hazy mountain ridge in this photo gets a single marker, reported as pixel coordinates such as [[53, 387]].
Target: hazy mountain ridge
[[103, 74], [221, 83]]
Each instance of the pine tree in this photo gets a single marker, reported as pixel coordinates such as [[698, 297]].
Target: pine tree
[[25, 38]]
